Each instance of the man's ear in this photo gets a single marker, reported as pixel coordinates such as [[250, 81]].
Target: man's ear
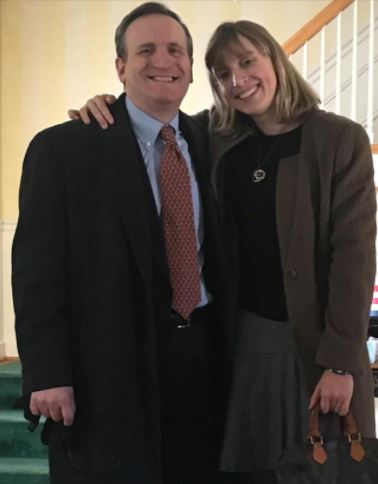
[[120, 64], [191, 69]]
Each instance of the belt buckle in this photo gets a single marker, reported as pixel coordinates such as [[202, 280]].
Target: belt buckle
[[184, 323]]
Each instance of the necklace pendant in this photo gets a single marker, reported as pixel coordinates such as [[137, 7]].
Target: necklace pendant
[[258, 175]]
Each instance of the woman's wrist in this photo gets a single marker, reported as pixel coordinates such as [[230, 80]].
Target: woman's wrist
[[336, 371]]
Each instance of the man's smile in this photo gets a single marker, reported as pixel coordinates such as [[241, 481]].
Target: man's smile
[[163, 78]]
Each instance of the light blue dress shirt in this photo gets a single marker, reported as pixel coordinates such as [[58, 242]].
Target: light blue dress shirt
[[147, 131]]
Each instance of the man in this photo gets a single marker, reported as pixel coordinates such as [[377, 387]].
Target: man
[[117, 323]]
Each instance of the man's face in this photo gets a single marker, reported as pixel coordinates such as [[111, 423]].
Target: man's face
[[157, 69]]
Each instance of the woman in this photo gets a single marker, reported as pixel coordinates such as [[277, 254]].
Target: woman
[[296, 191]]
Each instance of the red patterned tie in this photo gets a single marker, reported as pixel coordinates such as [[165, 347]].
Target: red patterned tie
[[179, 229]]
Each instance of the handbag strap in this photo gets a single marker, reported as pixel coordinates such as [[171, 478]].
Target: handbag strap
[[357, 452], [314, 436]]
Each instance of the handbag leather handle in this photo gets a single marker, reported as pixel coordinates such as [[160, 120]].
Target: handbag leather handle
[[314, 436]]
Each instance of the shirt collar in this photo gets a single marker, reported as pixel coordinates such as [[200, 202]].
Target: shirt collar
[[147, 128]]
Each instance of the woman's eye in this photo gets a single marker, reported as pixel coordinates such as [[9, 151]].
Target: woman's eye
[[246, 62], [222, 76]]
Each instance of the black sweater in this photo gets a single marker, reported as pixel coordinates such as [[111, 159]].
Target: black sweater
[[253, 207]]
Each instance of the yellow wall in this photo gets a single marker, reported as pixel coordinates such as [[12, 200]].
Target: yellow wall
[[57, 53]]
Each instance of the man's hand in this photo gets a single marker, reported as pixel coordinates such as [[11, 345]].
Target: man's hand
[[334, 392], [98, 107], [56, 403]]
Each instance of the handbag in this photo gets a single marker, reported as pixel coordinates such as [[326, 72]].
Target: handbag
[[350, 459]]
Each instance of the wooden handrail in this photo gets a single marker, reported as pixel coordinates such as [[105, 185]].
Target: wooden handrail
[[315, 25], [374, 149]]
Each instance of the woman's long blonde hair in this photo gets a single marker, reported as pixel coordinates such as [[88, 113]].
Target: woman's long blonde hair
[[294, 96]]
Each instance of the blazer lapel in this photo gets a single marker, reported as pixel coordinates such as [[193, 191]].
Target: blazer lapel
[[132, 192], [291, 195], [286, 200]]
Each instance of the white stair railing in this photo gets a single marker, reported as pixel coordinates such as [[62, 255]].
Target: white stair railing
[[336, 53], [353, 111]]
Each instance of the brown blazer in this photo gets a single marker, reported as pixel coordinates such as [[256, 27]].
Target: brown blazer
[[326, 205]]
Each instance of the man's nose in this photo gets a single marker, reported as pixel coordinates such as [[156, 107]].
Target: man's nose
[[161, 58]]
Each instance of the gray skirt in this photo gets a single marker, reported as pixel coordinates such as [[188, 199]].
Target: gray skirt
[[268, 408]]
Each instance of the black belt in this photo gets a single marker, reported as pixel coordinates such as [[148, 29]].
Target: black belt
[[199, 315]]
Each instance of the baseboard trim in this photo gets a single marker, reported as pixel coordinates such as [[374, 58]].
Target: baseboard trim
[[9, 359], [2, 351]]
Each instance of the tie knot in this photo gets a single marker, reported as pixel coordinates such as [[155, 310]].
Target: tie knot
[[168, 134]]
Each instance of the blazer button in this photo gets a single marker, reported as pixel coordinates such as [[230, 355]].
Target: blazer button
[[292, 273]]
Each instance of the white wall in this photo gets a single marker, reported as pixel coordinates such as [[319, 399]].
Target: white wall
[[7, 339]]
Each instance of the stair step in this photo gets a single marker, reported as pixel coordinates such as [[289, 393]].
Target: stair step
[[10, 368], [15, 438], [10, 383], [12, 416], [23, 471]]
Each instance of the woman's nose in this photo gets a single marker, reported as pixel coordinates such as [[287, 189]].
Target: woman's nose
[[238, 78]]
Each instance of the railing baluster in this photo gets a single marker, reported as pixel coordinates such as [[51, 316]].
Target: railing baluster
[[370, 93], [338, 66], [353, 105], [322, 67], [305, 60]]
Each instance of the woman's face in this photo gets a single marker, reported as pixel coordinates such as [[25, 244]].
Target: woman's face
[[247, 80]]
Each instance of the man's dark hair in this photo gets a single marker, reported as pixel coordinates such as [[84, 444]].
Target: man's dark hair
[[148, 9]]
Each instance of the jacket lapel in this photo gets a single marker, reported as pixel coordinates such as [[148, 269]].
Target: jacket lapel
[[292, 178], [132, 193], [286, 201]]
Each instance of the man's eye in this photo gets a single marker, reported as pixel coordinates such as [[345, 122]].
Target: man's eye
[[144, 51], [175, 51]]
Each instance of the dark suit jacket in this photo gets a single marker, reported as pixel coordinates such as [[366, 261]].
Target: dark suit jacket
[[90, 279]]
